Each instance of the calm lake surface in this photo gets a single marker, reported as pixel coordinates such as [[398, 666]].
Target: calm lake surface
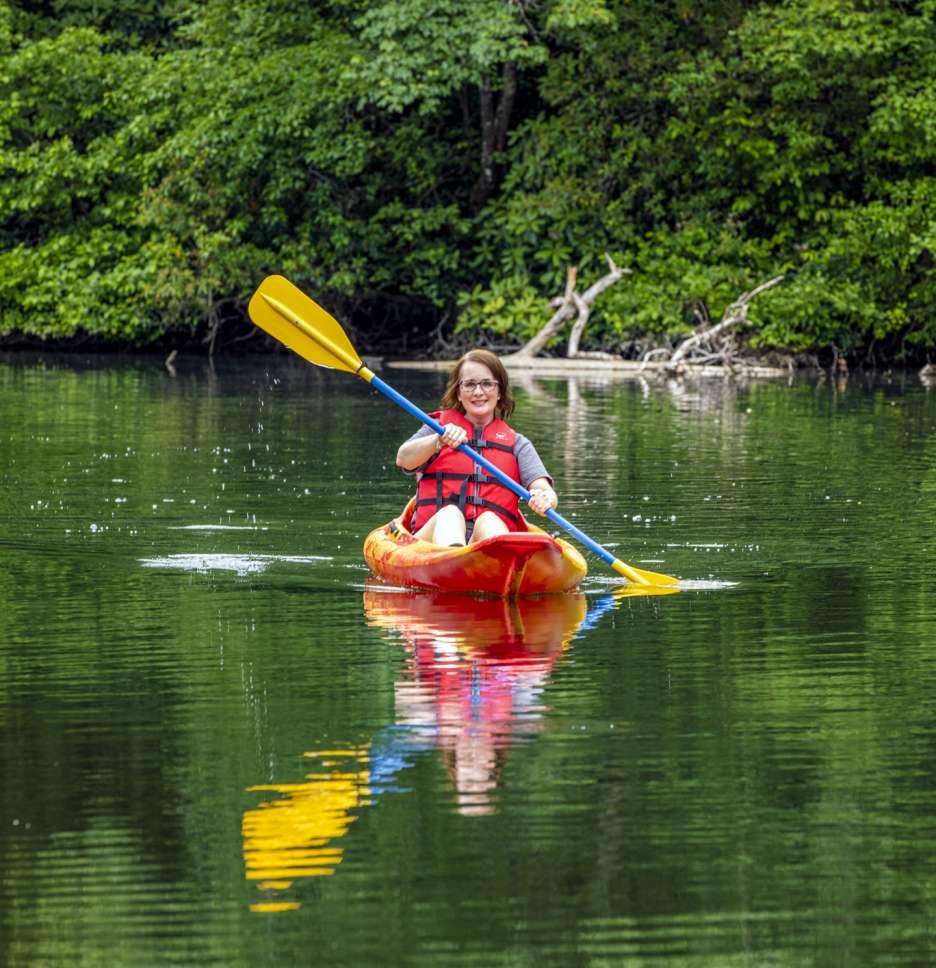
[[220, 744]]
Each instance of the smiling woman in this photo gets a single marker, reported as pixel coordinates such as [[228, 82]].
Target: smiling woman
[[456, 501]]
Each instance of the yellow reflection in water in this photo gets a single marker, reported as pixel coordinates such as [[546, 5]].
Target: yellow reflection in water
[[638, 591], [294, 836]]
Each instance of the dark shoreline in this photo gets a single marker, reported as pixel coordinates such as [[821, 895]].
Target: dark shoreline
[[544, 367]]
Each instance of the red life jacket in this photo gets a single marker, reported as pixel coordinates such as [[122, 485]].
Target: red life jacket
[[452, 477]]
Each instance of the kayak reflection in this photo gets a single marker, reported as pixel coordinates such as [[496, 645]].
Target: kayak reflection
[[473, 681], [471, 688]]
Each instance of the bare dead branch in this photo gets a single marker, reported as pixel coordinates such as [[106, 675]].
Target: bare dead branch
[[709, 342], [650, 354], [571, 304], [579, 325]]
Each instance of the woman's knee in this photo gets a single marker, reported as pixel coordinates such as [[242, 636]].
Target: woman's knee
[[451, 514], [487, 525], [446, 526]]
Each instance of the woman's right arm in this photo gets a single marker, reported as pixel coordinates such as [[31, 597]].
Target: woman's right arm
[[416, 451], [419, 448]]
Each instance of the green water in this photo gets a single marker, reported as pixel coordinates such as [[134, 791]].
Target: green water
[[220, 745]]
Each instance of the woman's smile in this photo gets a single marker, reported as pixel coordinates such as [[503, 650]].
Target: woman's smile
[[479, 403]]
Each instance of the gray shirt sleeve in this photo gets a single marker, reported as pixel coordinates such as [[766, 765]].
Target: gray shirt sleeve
[[531, 467], [423, 431], [528, 460]]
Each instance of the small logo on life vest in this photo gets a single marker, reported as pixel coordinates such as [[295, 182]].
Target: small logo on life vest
[[500, 436]]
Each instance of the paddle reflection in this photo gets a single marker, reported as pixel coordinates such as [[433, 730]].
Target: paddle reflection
[[473, 681], [295, 836]]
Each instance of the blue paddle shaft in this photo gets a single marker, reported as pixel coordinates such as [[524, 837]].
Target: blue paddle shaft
[[508, 482]]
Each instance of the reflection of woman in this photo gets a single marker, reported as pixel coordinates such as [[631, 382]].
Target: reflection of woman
[[456, 500], [474, 682]]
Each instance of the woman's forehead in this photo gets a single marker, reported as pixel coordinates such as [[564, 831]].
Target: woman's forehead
[[472, 370]]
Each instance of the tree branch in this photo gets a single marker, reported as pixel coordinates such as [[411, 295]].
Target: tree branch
[[495, 122], [583, 313], [505, 105], [485, 182], [571, 304], [734, 315]]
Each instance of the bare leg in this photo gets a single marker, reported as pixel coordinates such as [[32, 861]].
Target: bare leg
[[487, 525], [445, 527]]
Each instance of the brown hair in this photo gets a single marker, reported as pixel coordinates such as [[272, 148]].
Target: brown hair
[[505, 402]]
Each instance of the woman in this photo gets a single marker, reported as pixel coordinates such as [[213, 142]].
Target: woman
[[457, 501]]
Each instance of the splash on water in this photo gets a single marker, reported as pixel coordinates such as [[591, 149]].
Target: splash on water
[[216, 527], [239, 564], [602, 584], [702, 584]]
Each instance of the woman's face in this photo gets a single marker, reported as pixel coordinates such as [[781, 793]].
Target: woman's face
[[479, 403]]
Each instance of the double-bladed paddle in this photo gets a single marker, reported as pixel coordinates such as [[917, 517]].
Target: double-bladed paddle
[[291, 317]]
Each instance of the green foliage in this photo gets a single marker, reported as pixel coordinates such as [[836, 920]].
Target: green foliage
[[157, 160], [71, 254], [128, 22], [571, 14], [511, 306], [796, 137], [420, 51]]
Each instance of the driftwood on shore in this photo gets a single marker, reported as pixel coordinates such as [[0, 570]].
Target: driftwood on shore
[[711, 345], [571, 303]]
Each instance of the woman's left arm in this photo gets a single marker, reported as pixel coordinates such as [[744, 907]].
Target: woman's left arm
[[532, 469]]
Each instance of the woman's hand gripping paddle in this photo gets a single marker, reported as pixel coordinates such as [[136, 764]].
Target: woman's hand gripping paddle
[[291, 317]]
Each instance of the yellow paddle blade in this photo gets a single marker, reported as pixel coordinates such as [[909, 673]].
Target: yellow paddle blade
[[291, 317], [641, 577]]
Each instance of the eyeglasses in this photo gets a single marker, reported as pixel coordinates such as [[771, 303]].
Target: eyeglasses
[[469, 386]]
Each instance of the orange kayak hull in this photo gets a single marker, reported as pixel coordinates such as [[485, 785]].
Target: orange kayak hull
[[519, 563]]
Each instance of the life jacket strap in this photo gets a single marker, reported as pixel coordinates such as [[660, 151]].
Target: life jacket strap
[[479, 477], [462, 500], [479, 443], [436, 497]]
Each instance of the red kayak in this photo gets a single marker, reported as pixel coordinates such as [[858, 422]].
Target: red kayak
[[529, 562]]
